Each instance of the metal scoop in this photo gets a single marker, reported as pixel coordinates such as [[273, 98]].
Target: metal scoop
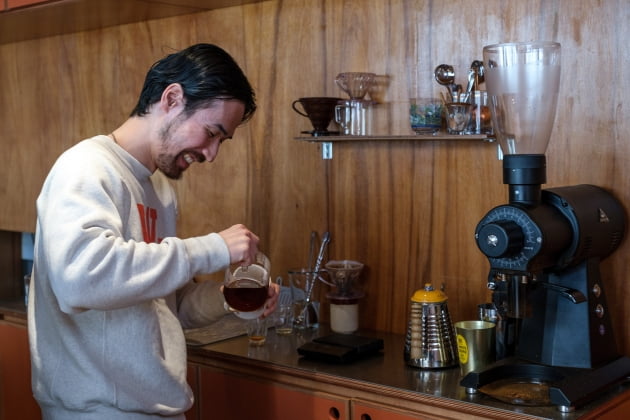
[[445, 75]]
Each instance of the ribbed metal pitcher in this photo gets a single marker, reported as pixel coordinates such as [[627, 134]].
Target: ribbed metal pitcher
[[430, 342]]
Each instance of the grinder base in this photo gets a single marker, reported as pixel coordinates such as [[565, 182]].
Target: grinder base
[[569, 388]]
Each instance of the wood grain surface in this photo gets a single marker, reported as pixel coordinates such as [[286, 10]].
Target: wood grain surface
[[407, 210]]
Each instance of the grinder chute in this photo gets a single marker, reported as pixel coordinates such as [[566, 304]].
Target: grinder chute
[[545, 246]]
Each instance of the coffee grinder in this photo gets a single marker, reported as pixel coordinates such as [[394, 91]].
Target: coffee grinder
[[545, 246]]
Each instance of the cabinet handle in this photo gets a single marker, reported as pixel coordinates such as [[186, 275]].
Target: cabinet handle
[[333, 413]]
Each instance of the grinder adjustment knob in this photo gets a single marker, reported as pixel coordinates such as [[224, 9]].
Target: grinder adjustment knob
[[501, 238]]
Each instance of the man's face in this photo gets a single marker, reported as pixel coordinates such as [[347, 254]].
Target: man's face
[[196, 138]]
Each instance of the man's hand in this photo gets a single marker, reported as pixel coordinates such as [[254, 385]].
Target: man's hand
[[242, 244], [273, 294]]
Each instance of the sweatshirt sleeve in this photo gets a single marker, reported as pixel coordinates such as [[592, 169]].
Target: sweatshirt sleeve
[[200, 304], [92, 239]]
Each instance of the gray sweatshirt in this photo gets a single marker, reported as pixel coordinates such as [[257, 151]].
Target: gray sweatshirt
[[111, 289]]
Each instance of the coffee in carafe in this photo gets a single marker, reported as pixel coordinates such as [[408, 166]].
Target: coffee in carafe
[[245, 288]]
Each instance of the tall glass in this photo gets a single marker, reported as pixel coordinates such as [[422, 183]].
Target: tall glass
[[522, 80]]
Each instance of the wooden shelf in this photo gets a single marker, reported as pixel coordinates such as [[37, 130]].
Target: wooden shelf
[[327, 141], [411, 137], [58, 17]]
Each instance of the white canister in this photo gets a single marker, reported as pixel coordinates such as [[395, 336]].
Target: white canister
[[344, 315]]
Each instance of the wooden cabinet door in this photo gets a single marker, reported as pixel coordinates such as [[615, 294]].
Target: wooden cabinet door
[[361, 411], [230, 397], [16, 397], [12, 4], [193, 381]]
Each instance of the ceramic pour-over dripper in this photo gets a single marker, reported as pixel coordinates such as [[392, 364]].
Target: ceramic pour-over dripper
[[355, 84], [320, 110]]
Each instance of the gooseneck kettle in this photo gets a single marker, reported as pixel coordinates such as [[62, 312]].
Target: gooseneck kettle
[[430, 342]]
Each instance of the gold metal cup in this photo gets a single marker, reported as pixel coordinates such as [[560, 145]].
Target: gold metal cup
[[475, 345]]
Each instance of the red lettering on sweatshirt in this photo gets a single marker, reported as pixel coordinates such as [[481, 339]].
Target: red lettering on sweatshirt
[[148, 218]]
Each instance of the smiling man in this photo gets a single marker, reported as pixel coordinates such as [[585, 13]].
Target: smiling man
[[112, 285]]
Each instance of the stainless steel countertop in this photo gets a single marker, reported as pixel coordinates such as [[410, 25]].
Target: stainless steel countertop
[[384, 372]]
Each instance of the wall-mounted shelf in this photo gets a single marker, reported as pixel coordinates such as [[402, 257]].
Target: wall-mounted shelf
[[327, 141]]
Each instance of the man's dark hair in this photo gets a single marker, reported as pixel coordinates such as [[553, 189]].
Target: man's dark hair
[[205, 72]]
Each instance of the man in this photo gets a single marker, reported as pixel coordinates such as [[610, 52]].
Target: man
[[111, 286]]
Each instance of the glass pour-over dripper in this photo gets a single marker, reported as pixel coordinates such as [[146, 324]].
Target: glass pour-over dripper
[[355, 84]]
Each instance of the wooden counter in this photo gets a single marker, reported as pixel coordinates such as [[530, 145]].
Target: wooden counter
[[383, 384], [382, 387], [13, 310]]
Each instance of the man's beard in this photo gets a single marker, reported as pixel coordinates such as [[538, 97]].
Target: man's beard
[[166, 162], [167, 165]]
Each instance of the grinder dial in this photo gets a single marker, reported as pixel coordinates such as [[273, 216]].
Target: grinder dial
[[509, 237]]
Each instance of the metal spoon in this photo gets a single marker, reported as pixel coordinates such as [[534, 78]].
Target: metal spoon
[[475, 77], [478, 68], [445, 74], [472, 76], [318, 265], [308, 316], [456, 91]]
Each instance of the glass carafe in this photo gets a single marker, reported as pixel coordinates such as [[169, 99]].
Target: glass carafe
[[245, 288]]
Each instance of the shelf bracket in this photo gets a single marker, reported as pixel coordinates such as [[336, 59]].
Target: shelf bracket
[[327, 150]]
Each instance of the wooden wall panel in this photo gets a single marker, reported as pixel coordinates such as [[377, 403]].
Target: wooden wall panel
[[406, 209]]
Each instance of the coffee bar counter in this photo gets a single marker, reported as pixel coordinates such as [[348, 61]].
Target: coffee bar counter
[[13, 310], [379, 387], [381, 383]]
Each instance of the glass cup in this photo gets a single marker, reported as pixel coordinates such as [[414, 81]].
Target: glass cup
[[480, 121], [284, 319], [303, 284], [425, 115], [354, 117], [245, 288], [257, 331], [458, 117]]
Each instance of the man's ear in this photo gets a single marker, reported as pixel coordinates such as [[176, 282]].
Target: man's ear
[[172, 97]]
